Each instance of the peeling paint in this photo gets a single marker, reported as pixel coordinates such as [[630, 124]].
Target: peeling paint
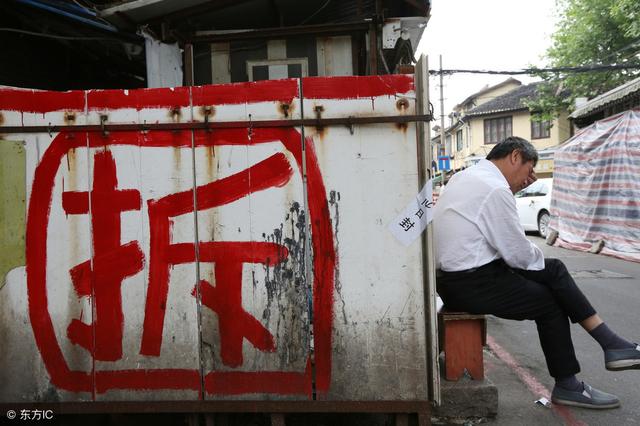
[[12, 205], [49, 395], [334, 200], [285, 282]]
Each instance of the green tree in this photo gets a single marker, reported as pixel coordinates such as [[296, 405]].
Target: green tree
[[589, 32]]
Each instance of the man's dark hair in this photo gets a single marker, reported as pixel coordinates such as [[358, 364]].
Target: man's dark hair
[[513, 143]]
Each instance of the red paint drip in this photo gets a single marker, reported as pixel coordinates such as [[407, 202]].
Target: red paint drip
[[138, 98], [81, 278], [36, 265], [242, 383], [249, 382], [356, 86], [40, 101], [112, 262], [239, 93], [226, 94]]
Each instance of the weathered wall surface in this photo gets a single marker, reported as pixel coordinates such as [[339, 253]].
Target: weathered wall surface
[[237, 263]]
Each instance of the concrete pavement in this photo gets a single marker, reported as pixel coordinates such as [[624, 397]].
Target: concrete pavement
[[515, 364]]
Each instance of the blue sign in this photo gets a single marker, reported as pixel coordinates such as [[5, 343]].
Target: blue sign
[[444, 162]]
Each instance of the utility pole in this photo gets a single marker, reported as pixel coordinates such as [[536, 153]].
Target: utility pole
[[442, 137]]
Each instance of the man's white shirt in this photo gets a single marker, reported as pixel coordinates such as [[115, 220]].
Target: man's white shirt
[[476, 221]]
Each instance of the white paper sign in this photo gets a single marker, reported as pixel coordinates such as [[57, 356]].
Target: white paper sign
[[416, 216]]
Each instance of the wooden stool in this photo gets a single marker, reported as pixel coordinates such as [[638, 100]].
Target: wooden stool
[[462, 335]]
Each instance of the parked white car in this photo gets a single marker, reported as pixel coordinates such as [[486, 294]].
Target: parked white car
[[533, 206]]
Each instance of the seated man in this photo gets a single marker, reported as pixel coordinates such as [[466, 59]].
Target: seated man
[[488, 266]]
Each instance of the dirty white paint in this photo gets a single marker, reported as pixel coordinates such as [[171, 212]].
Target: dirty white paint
[[378, 330], [334, 55], [299, 283]]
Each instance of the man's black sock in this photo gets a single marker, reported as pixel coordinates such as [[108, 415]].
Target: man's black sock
[[608, 339], [570, 383]]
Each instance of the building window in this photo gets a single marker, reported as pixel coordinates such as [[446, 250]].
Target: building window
[[459, 144], [497, 129], [540, 129], [447, 142], [271, 69]]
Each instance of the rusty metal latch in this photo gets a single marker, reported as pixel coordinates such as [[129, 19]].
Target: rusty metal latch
[[103, 120]]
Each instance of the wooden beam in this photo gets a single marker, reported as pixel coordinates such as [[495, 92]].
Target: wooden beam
[[373, 49], [198, 9]]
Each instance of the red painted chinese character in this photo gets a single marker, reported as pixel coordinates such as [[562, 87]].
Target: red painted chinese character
[[235, 323], [225, 299], [112, 261]]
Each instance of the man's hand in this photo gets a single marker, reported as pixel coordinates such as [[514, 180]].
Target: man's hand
[[529, 180]]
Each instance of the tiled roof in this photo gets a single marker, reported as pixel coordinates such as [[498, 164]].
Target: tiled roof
[[510, 101], [487, 89]]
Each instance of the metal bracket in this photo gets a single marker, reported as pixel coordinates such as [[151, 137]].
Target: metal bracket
[[350, 125], [103, 120], [206, 123]]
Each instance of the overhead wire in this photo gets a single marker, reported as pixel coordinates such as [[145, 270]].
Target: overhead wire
[[59, 37], [582, 69]]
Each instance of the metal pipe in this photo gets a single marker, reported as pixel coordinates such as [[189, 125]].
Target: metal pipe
[[325, 29], [310, 122], [69, 11], [188, 66], [443, 144]]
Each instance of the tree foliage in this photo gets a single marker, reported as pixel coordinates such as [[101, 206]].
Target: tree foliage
[[589, 32]]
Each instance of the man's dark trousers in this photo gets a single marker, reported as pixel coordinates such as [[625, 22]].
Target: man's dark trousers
[[550, 297]]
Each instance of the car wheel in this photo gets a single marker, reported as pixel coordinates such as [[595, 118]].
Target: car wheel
[[543, 224]]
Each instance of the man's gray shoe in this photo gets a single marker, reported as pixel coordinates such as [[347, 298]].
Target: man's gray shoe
[[622, 359], [588, 398]]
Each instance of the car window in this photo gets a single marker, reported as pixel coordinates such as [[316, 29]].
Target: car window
[[544, 189], [536, 189]]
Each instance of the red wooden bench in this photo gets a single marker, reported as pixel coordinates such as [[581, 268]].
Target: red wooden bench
[[462, 337]]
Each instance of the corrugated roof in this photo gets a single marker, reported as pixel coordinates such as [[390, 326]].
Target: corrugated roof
[[601, 101], [510, 101]]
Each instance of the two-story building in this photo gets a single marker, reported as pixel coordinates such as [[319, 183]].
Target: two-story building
[[495, 113], [457, 137]]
